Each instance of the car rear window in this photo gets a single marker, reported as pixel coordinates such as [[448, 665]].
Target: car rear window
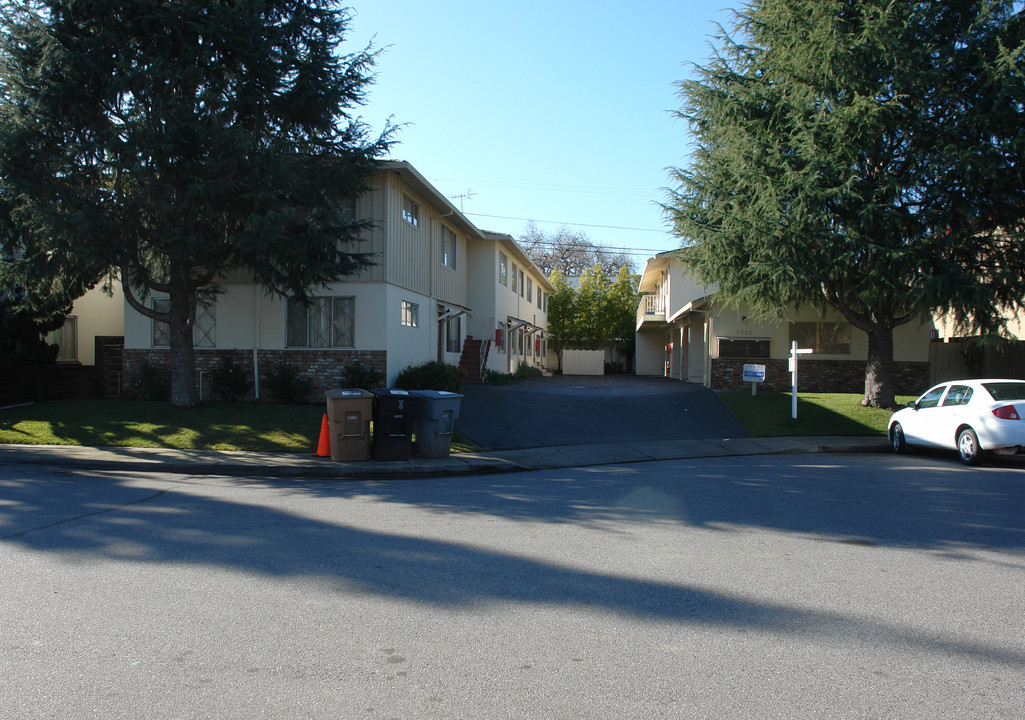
[[1006, 390]]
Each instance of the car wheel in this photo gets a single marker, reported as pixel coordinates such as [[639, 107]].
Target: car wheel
[[897, 436], [968, 447]]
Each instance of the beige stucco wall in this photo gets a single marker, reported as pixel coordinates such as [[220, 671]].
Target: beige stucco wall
[[98, 315], [910, 341]]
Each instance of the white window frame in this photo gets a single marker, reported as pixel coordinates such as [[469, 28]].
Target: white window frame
[[503, 269], [411, 211], [410, 316]]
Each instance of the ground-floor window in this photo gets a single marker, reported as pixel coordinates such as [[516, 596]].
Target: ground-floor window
[[66, 339], [454, 335], [203, 331], [323, 322], [410, 314], [828, 338]]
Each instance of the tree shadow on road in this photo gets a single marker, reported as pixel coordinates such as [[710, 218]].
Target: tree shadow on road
[[159, 522]]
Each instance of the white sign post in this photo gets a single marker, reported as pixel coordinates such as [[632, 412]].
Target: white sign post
[[754, 374], [794, 352]]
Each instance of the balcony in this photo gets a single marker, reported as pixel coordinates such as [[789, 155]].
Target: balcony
[[651, 311]]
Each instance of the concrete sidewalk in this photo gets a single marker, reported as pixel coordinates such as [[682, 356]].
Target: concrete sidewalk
[[199, 462]]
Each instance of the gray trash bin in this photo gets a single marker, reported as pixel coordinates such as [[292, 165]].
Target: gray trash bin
[[436, 422], [348, 420]]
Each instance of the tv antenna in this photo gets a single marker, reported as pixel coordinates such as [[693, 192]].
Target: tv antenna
[[468, 195]]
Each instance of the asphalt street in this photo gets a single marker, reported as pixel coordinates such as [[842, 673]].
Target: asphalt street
[[580, 410], [797, 586]]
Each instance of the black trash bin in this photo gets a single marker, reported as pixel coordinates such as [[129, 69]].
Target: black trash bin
[[436, 417], [394, 414]]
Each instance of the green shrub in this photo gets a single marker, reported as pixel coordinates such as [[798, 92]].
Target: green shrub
[[358, 375], [527, 372], [431, 375], [497, 377], [229, 378], [152, 383], [285, 384]]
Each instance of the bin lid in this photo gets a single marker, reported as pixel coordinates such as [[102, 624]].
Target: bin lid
[[347, 393], [391, 392], [437, 394]]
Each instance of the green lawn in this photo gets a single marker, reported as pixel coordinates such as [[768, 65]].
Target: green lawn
[[257, 427], [769, 414]]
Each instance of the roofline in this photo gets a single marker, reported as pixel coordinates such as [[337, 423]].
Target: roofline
[[412, 175], [517, 251]]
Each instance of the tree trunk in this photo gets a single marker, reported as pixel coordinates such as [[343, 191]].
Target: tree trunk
[[879, 380], [183, 357]]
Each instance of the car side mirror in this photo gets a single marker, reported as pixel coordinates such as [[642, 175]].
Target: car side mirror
[[913, 404]]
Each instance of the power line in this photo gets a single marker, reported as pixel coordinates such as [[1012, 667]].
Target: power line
[[597, 189], [557, 222]]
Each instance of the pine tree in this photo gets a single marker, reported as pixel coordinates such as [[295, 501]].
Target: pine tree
[[169, 143], [865, 155]]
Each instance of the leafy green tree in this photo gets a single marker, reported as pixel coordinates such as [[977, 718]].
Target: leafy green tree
[[562, 313], [601, 312], [621, 309], [170, 143], [865, 155]]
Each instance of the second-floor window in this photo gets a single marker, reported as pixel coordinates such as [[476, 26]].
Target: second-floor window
[[530, 290], [503, 269], [410, 211], [448, 248], [515, 274], [324, 322]]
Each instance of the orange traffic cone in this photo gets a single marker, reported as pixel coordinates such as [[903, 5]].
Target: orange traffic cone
[[324, 446]]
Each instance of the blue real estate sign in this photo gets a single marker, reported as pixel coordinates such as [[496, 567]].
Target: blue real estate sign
[[754, 373]]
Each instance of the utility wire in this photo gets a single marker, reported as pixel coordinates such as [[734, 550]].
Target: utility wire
[[557, 222]]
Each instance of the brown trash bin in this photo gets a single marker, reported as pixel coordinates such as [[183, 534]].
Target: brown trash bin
[[349, 412]]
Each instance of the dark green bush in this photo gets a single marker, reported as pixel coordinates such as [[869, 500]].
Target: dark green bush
[[229, 378], [152, 383], [285, 384], [431, 375], [497, 377], [358, 375], [527, 372]]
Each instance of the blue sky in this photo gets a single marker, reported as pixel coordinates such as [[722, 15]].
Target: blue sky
[[555, 111]]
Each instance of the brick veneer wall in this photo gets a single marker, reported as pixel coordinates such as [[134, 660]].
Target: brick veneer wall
[[322, 367], [817, 375]]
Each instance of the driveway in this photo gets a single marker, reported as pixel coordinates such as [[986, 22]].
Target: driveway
[[584, 410]]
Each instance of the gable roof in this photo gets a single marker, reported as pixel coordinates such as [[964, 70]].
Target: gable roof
[[451, 213]]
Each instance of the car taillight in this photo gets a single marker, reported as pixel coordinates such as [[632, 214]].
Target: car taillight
[[1007, 412]]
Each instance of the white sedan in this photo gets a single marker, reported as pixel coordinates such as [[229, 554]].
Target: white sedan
[[970, 416]]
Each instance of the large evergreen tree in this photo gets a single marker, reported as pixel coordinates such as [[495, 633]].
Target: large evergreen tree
[[168, 142], [865, 155]]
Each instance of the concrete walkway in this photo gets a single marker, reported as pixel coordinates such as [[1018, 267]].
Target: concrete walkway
[[193, 462]]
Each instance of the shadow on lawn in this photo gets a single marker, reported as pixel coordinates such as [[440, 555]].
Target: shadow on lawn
[[212, 426]]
